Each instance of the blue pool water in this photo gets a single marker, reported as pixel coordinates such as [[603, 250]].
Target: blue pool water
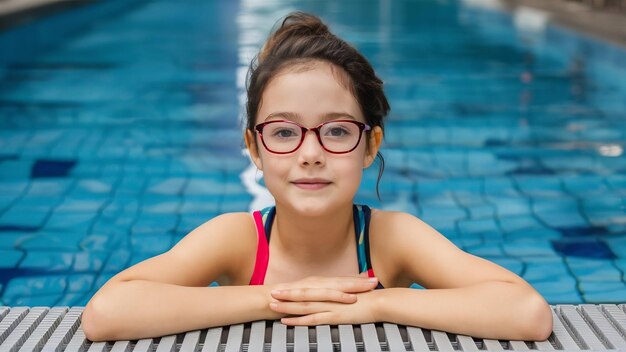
[[505, 135]]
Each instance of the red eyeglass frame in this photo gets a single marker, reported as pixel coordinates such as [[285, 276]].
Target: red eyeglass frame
[[362, 127]]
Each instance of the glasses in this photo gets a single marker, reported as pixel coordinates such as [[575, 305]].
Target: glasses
[[337, 136]]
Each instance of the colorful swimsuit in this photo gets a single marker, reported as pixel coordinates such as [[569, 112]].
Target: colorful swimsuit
[[264, 218]]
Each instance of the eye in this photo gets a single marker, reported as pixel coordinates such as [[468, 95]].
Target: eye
[[283, 133], [337, 131]]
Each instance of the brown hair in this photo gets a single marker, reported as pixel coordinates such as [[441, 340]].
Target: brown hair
[[302, 38]]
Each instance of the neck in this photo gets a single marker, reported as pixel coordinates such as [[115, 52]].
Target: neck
[[313, 241]]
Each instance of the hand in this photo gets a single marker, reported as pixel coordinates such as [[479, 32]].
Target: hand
[[325, 300]]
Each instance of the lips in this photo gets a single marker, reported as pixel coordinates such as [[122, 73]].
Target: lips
[[311, 183], [311, 180]]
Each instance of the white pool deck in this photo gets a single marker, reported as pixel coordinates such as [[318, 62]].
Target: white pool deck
[[584, 327]]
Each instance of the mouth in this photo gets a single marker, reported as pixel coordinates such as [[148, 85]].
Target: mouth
[[311, 184]]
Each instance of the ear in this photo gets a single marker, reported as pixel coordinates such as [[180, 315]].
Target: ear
[[253, 149], [376, 139]]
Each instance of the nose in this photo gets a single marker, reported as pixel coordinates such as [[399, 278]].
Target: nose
[[311, 151]]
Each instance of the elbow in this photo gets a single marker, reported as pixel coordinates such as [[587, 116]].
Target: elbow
[[93, 321], [539, 322]]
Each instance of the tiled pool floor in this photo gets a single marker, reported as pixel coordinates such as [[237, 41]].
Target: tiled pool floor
[[125, 137]]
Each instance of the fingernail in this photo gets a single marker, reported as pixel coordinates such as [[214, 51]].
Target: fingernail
[[372, 279], [347, 295], [273, 305], [276, 292]]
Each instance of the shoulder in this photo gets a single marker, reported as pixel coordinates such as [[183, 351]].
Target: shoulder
[[407, 244], [425, 256], [230, 239]]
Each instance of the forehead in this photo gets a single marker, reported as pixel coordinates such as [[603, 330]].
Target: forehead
[[314, 91]]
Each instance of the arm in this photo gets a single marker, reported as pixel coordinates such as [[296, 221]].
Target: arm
[[492, 309], [168, 293], [465, 294], [137, 309]]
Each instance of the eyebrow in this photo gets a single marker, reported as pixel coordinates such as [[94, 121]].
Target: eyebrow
[[292, 116]]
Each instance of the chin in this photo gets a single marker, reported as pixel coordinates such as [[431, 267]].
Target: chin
[[314, 206]]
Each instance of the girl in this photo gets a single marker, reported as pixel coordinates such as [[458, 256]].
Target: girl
[[315, 120]]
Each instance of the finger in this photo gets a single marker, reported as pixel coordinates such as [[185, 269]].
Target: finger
[[357, 284], [314, 295], [308, 320], [299, 308]]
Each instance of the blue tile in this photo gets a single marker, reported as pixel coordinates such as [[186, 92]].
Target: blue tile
[[204, 186], [168, 186], [51, 261], [93, 186], [511, 264], [509, 205], [76, 205], [22, 219], [75, 222], [155, 223], [480, 163], [10, 240], [51, 168], [589, 287], [486, 249], [89, 261], [402, 202], [103, 241], [540, 186], [12, 188], [609, 296], [584, 185], [103, 278], [582, 231], [49, 241], [118, 261], [483, 211], [540, 269], [500, 186], [583, 248], [559, 286], [529, 247], [477, 226], [80, 282], [49, 187], [24, 287], [33, 301], [70, 300], [15, 169], [617, 245], [207, 206], [540, 234], [594, 269], [37, 203], [513, 223], [151, 243], [10, 258], [160, 204]]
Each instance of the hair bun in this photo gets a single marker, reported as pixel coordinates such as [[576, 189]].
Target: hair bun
[[296, 25]]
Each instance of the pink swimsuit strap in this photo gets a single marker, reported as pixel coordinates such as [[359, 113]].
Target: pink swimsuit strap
[[262, 252]]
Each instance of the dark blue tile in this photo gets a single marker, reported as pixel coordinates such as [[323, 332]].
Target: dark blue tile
[[583, 231], [52, 168], [583, 248]]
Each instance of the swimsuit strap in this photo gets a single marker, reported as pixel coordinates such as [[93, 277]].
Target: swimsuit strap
[[263, 221], [362, 216]]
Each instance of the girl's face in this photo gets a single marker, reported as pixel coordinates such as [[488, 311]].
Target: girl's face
[[311, 180]]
